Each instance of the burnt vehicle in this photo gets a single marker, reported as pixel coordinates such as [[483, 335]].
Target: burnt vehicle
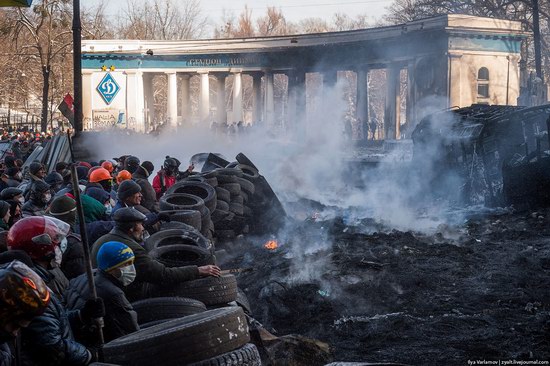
[[500, 153]]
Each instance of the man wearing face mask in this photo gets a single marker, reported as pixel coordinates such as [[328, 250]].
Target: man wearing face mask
[[39, 198], [23, 296], [129, 230], [41, 238], [115, 270], [73, 263], [166, 177]]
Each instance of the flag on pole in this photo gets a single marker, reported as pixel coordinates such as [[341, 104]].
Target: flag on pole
[[20, 3], [67, 109]]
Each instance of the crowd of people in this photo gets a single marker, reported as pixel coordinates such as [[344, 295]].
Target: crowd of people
[[48, 315]]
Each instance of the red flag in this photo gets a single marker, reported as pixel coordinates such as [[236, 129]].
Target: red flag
[[67, 108]]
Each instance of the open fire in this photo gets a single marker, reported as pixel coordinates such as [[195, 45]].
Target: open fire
[[271, 245]]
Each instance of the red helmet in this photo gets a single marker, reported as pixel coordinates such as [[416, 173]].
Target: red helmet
[[23, 294], [100, 174], [38, 236], [108, 165]]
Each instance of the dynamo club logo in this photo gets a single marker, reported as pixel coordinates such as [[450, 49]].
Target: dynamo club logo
[[108, 88]]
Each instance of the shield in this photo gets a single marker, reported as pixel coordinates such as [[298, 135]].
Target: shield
[[23, 3]]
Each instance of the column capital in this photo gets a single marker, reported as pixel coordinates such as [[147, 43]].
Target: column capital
[[202, 72], [236, 71], [170, 72]]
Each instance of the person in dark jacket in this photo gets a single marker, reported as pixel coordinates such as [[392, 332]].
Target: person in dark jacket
[[37, 173], [149, 196], [129, 230], [11, 177], [101, 196], [39, 198], [55, 180], [72, 262], [115, 262], [16, 149], [13, 196], [4, 215], [48, 340], [23, 296]]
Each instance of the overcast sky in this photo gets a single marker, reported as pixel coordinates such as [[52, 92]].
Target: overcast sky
[[294, 10]]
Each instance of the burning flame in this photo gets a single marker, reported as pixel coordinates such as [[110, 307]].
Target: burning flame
[[271, 245]]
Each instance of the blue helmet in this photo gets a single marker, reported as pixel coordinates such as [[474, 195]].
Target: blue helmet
[[113, 254]]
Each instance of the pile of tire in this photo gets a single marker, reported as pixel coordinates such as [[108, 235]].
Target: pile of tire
[[206, 338]]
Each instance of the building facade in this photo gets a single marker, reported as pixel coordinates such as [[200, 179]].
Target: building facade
[[451, 61]]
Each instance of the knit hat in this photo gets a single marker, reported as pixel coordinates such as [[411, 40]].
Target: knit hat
[[35, 167], [11, 172], [114, 254], [98, 194], [4, 208], [82, 172], [9, 161], [127, 189], [10, 193], [148, 167], [64, 209]]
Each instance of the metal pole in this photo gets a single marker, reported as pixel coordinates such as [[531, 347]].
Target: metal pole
[[84, 235], [77, 67], [537, 41]]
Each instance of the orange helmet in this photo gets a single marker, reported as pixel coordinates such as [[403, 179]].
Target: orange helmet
[[99, 174], [108, 165], [122, 176]]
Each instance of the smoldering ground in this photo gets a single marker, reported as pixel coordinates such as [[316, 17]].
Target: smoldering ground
[[375, 264]]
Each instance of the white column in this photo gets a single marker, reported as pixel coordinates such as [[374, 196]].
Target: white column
[[411, 96], [362, 107], [221, 111], [204, 101], [269, 99], [185, 98], [135, 101], [149, 115], [172, 99], [455, 81], [257, 97], [237, 96], [392, 113], [87, 93]]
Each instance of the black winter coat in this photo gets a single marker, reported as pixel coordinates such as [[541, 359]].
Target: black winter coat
[[73, 263], [54, 279], [49, 340], [148, 270], [120, 318], [149, 199]]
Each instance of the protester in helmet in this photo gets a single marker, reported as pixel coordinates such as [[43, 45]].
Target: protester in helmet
[[115, 263], [129, 229], [44, 239], [121, 177], [4, 215], [141, 177], [131, 163], [39, 198], [72, 261], [23, 296], [166, 177], [55, 180], [102, 177]]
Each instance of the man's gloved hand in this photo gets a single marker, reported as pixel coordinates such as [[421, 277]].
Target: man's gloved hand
[[163, 216], [92, 309]]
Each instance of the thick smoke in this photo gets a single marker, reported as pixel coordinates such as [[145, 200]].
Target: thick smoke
[[313, 168]]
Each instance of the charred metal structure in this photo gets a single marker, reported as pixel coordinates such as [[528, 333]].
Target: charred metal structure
[[502, 153], [450, 61]]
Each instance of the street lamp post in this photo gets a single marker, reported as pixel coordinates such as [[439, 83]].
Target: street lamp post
[[77, 67]]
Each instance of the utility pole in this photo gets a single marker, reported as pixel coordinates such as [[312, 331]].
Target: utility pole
[[537, 41], [77, 67]]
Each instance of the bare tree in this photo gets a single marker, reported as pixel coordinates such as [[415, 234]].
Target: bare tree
[[162, 20], [41, 36]]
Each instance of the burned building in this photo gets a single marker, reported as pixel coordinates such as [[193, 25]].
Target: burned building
[[500, 153], [450, 61]]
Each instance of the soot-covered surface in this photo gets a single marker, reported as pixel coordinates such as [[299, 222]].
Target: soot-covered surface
[[477, 291]]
